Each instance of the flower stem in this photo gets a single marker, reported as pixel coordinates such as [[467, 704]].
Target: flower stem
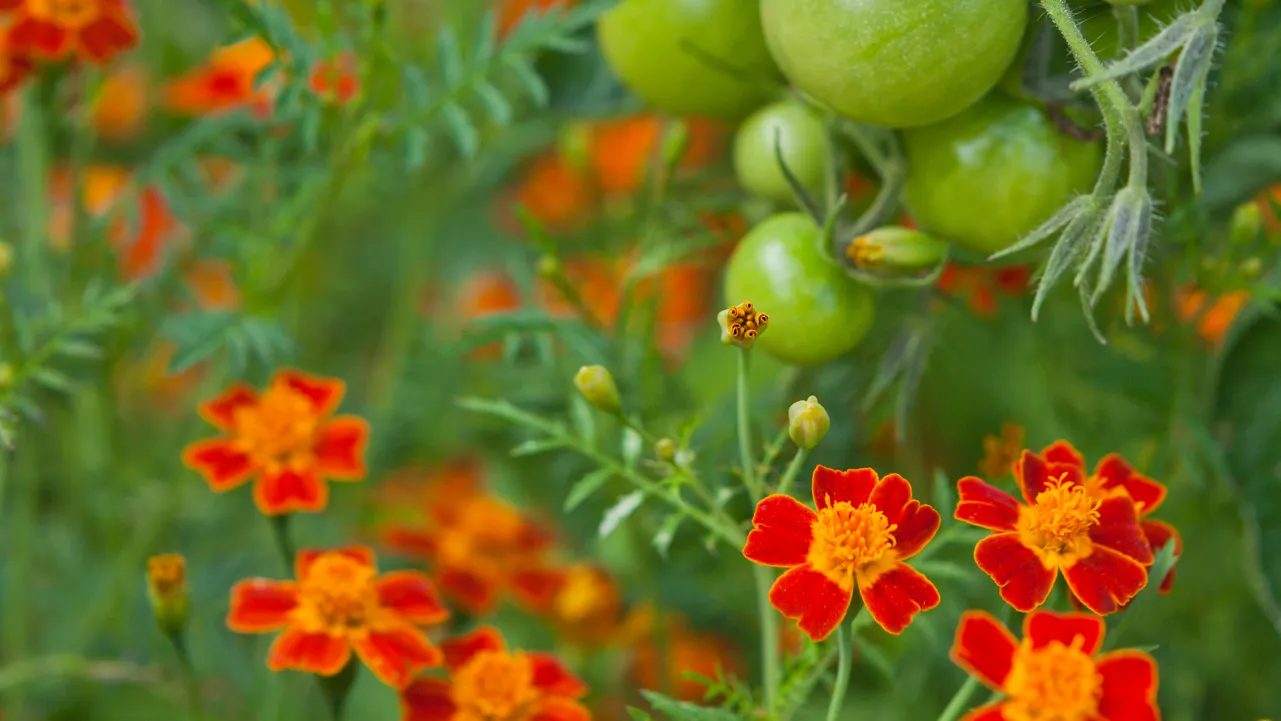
[[769, 637], [280, 532], [745, 428], [189, 676], [844, 646], [337, 687], [793, 468], [960, 700]]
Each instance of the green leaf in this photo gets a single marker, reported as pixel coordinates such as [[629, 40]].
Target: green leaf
[[638, 715], [451, 60], [197, 336], [52, 380], [530, 79], [500, 111], [74, 348], [1248, 164], [619, 512], [685, 711], [536, 446], [461, 129], [585, 487], [666, 533]]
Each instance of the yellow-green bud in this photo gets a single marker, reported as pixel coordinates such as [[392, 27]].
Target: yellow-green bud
[[597, 386], [575, 145], [896, 249], [1251, 267], [6, 258], [167, 591], [807, 422], [741, 324], [549, 266], [666, 449], [1246, 224]]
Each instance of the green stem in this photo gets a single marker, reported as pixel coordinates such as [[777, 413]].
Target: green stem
[[960, 700], [336, 689], [893, 177], [33, 164], [793, 468], [189, 676], [280, 532], [843, 647], [745, 427], [771, 671]]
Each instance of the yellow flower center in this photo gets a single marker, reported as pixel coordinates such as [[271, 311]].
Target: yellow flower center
[[1057, 524], [1053, 683], [865, 252], [850, 540], [583, 596], [337, 596], [495, 686], [277, 431], [69, 14]]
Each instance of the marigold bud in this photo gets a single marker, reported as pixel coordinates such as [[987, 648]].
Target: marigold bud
[[1246, 224], [167, 591], [807, 423], [666, 449], [896, 249], [741, 324], [597, 386]]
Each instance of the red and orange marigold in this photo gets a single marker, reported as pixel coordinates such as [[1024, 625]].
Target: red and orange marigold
[[227, 81], [1055, 673], [1090, 534], [681, 653], [585, 607], [14, 65], [286, 437], [864, 530], [93, 30], [336, 80], [340, 604], [488, 682]]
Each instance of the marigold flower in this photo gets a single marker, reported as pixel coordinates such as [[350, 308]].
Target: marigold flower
[[483, 294], [555, 193], [286, 438], [1212, 322], [512, 12], [1000, 452], [487, 681], [585, 607], [225, 82], [864, 530], [335, 80], [978, 286], [1055, 673], [93, 30], [14, 66], [622, 149], [121, 106], [686, 651], [339, 603], [167, 590], [1066, 525]]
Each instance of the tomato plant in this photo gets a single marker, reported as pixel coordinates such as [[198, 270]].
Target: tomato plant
[[1100, 26], [799, 131]]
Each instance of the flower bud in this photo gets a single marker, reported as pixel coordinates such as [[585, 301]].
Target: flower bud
[[549, 266], [807, 423], [896, 249], [741, 324], [1246, 224], [6, 258], [6, 376], [597, 386], [666, 449], [167, 591]]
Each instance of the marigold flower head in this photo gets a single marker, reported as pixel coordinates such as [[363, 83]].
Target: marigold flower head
[[1056, 672], [121, 107], [1000, 452], [684, 651], [1213, 318], [92, 30], [339, 604], [555, 193], [335, 80], [864, 530], [286, 437], [585, 607], [225, 82], [623, 150], [979, 286], [489, 682], [167, 590], [14, 65]]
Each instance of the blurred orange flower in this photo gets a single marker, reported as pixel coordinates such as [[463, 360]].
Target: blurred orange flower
[[1000, 452], [221, 173], [979, 285], [122, 103], [686, 651], [585, 607], [1212, 322], [225, 82], [93, 30], [14, 66], [1265, 200], [621, 150], [555, 193], [511, 12], [340, 604], [336, 80], [486, 293]]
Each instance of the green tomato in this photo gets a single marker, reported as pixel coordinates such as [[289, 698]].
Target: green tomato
[[800, 135], [817, 313], [993, 173], [893, 63], [647, 43]]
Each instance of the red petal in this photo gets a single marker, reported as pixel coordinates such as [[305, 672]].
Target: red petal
[[891, 495], [1147, 493], [289, 492], [427, 699], [7, 5], [1044, 627], [916, 527], [897, 595], [1025, 582], [984, 648], [473, 592], [340, 448], [1129, 687], [1118, 529], [537, 588], [1106, 580], [990, 712], [554, 678], [831, 486], [1033, 475], [783, 532], [1158, 534], [410, 542], [1063, 452], [39, 38], [222, 466], [111, 34], [324, 393], [985, 505], [395, 655], [221, 411], [806, 594], [312, 652], [410, 594], [460, 649], [259, 605], [307, 556], [561, 709]]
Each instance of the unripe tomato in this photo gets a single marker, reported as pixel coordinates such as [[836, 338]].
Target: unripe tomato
[[993, 173], [894, 63], [817, 313], [800, 135], [645, 42]]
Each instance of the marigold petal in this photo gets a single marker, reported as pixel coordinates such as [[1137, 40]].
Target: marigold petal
[[110, 34], [831, 486], [410, 542], [986, 506], [536, 588], [459, 650], [783, 532], [317, 653], [1159, 533], [39, 38], [1044, 627], [984, 647], [895, 596], [916, 528], [222, 466], [561, 709], [9, 5], [1115, 472], [1129, 686], [475, 593], [324, 393], [221, 411], [259, 605], [554, 678], [1032, 474], [1118, 529], [891, 496], [1106, 580], [815, 600], [1024, 580], [990, 712], [1063, 452], [307, 556], [288, 491], [396, 654], [340, 448], [411, 595], [427, 699]]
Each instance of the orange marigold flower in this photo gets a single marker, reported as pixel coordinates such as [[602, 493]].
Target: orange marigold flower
[[167, 590], [286, 438], [488, 682], [622, 150], [121, 106], [339, 603], [14, 65], [225, 82], [555, 193], [1212, 322], [336, 80], [511, 12], [1065, 525], [1265, 200], [486, 293], [979, 285], [1000, 453], [1056, 671], [93, 30], [864, 530], [686, 651], [585, 607]]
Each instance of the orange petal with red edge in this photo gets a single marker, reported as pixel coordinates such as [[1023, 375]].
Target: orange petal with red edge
[[396, 654], [916, 528], [986, 506], [831, 486], [221, 411], [990, 712], [554, 678], [324, 393], [895, 597], [217, 460], [891, 496], [427, 699], [460, 649], [259, 605], [340, 448], [1044, 627], [1159, 533], [1118, 529], [984, 647], [410, 542], [1105, 580], [41, 39], [811, 597], [1115, 472], [783, 532], [411, 595], [290, 492], [473, 592], [363, 555], [317, 653], [1024, 580], [561, 709], [110, 34], [1129, 686]]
